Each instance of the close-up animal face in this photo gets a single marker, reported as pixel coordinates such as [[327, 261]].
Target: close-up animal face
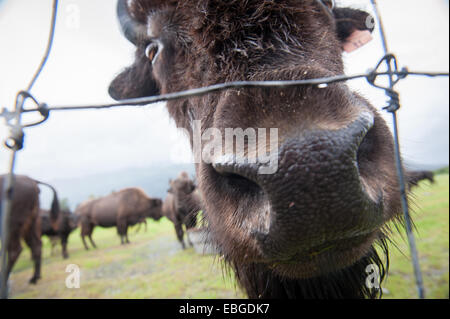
[[249, 151], [335, 186]]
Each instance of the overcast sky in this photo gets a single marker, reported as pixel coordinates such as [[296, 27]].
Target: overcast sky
[[89, 50]]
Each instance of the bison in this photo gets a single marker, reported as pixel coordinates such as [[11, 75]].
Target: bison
[[120, 209], [24, 221], [65, 224], [310, 227], [182, 205]]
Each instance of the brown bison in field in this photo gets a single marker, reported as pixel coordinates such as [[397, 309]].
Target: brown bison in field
[[309, 228], [24, 221], [182, 205], [120, 209], [65, 224]]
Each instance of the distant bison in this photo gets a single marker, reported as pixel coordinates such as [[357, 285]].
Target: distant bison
[[182, 205], [24, 222], [65, 224], [120, 209]]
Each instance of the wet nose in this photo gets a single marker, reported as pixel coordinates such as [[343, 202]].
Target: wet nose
[[316, 189], [311, 153]]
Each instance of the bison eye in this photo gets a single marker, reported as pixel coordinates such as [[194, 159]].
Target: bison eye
[[153, 50], [329, 3]]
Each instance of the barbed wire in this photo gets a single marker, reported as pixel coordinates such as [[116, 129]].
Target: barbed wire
[[15, 140]]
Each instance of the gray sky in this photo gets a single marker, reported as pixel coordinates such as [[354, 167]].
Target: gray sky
[[89, 50]]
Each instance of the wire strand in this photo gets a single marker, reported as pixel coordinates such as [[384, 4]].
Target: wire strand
[[395, 105], [371, 76], [51, 37]]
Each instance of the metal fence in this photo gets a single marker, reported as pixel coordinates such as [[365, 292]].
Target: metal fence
[[15, 140]]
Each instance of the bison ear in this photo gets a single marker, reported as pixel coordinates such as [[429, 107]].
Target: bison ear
[[156, 202], [134, 82], [354, 28]]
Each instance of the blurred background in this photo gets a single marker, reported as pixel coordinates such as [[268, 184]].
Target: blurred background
[[91, 153]]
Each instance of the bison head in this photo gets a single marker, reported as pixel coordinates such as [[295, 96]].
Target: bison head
[[182, 185], [70, 220], [334, 187], [155, 210], [182, 188]]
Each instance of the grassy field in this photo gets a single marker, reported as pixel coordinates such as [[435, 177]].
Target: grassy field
[[431, 217], [154, 266]]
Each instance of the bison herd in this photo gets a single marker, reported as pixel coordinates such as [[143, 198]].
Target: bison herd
[[310, 229], [121, 209]]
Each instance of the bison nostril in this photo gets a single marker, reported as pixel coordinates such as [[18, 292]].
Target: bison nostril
[[241, 182], [238, 177]]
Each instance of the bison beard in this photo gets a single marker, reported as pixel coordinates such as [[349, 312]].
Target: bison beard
[[350, 283], [309, 230]]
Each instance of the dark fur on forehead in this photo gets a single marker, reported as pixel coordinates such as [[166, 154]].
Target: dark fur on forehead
[[140, 9], [240, 37]]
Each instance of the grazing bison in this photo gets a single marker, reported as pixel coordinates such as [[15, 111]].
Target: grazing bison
[[120, 209], [309, 229], [24, 221], [182, 205], [65, 224]]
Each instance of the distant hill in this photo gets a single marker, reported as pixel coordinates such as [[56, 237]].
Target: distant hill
[[442, 171], [154, 180], [424, 167]]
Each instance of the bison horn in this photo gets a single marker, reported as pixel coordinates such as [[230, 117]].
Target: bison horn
[[132, 30]]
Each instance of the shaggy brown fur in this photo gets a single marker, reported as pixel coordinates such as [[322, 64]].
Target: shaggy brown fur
[[307, 231], [24, 221]]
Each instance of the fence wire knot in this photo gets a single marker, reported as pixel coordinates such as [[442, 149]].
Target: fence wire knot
[[395, 75]]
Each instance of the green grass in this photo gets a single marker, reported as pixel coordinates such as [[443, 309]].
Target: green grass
[[155, 266], [152, 266], [431, 217]]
